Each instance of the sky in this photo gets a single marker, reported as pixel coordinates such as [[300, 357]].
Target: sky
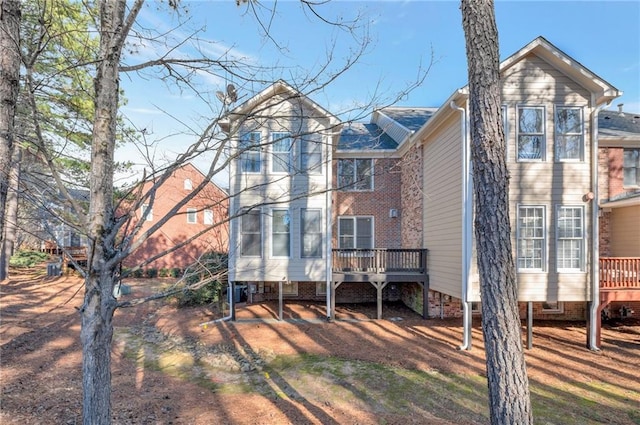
[[407, 38]]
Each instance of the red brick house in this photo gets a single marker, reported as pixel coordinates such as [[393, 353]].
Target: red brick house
[[203, 218]]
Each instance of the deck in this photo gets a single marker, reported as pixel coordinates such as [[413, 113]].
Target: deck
[[380, 266], [619, 279]]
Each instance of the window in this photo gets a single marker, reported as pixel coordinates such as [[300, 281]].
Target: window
[[321, 288], [553, 307], [355, 232], [311, 233], [250, 152], [280, 233], [568, 135], [281, 153], [531, 139], [531, 238], [192, 216], [311, 157], [187, 184], [290, 288], [570, 238], [146, 213], [631, 167], [251, 234], [355, 174], [208, 216]]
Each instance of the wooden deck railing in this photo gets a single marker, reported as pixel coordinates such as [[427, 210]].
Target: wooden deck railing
[[619, 273], [380, 260]]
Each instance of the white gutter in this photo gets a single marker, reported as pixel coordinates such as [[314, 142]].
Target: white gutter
[[466, 228], [595, 238]]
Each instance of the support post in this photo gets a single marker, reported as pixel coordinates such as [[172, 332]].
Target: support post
[[280, 300], [232, 300], [425, 298], [334, 286], [379, 287], [529, 325]]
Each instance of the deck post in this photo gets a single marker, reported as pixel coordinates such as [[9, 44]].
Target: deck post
[[379, 287], [280, 300], [425, 298], [529, 325], [334, 286]]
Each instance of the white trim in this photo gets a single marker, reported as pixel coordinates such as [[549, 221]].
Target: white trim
[[287, 210], [543, 147], [559, 309], [581, 155], [583, 260], [544, 254]]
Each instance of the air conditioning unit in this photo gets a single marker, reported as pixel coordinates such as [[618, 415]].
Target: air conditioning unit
[[393, 213]]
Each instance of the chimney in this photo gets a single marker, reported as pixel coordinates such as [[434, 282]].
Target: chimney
[[620, 105]]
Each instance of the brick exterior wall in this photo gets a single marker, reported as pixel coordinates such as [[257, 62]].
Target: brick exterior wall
[[176, 229], [411, 180], [613, 309], [377, 203]]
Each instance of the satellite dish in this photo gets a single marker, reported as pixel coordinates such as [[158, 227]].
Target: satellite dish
[[232, 94]]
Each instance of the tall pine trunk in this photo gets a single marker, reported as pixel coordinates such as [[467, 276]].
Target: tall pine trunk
[[509, 400], [11, 210], [99, 304], [9, 86]]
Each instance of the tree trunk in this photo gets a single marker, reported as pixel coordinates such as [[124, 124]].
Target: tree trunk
[[509, 400], [11, 211], [99, 303], [9, 86]]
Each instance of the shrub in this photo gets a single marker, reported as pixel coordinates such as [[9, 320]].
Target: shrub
[[211, 263], [164, 272], [151, 272], [204, 295], [175, 272], [137, 273], [27, 258]]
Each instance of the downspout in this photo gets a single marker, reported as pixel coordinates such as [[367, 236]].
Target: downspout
[[466, 229], [595, 238], [328, 221], [231, 307]]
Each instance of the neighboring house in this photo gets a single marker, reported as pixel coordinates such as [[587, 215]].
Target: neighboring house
[[280, 199], [619, 197], [203, 218], [402, 194]]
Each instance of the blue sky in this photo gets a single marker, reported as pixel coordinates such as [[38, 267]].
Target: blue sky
[[604, 36]]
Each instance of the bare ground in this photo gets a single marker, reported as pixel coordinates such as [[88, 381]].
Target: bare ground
[[169, 369]]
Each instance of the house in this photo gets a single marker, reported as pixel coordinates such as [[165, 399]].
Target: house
[[399, 221], [280, 185], [202, 221], [619, 215]]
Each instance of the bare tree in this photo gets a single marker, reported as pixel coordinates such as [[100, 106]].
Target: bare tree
[[9, 87], [509, 401]]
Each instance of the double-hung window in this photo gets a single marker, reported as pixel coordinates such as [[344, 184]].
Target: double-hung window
[[569, 133], [531, 136], [570, 238], [282, 152], [355, 174], [355, 232], [310, 156], [280, 233], [631, 168], [146, 212], [192, 215], [208, 217], [311, 233], [531, 236], [249, 147], [251, 234]]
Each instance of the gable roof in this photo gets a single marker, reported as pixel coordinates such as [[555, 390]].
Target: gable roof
[[280, 87], [544, 49]]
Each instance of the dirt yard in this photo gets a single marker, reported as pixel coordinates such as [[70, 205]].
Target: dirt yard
[[167, 368]]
